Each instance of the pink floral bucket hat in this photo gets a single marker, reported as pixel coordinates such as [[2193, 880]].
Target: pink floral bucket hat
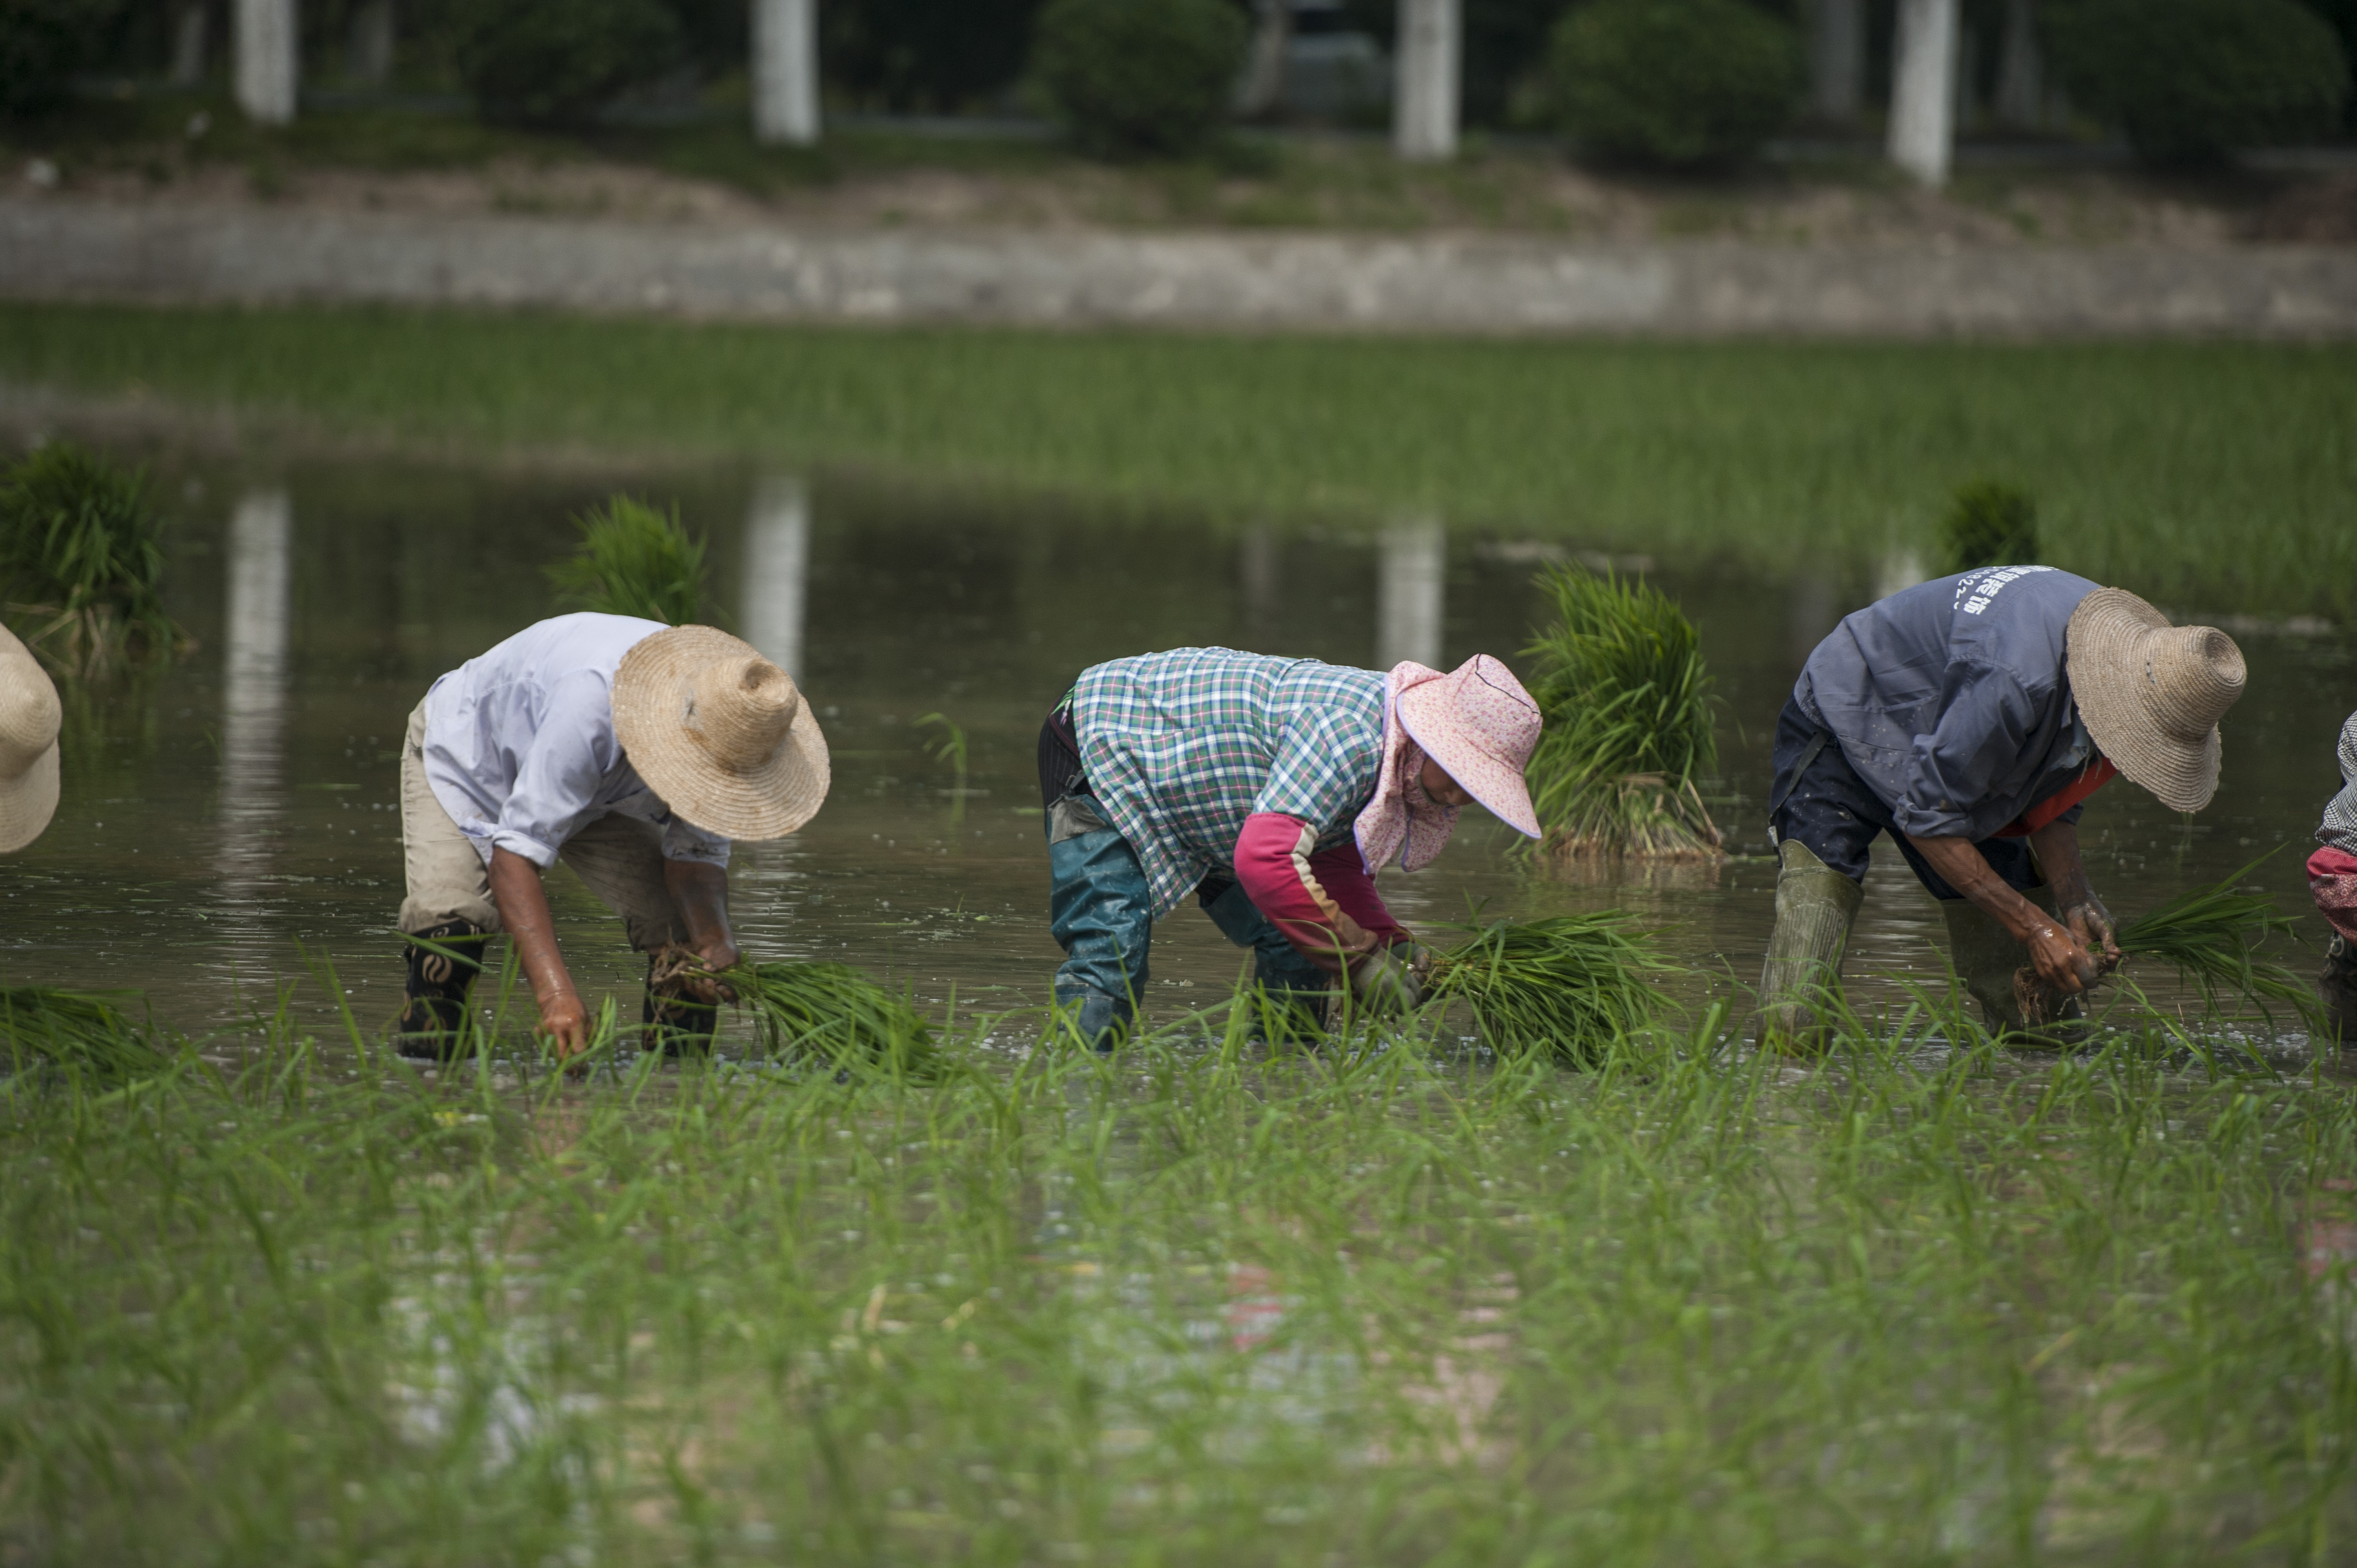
[[1478, 724]]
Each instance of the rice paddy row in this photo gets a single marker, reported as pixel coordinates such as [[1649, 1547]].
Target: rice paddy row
[[1925, 1300], [2214, 476]]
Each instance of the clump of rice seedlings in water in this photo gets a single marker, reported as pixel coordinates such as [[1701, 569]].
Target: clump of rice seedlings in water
[[832, 1011], [2212, 937], [1620, 680], [76, 1029], [634, 561], [1571, 984], [1988, 524], [81, 561]]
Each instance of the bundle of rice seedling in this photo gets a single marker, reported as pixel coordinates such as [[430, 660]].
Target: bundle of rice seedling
[[834, 1012], [1620, 680], [634, 561], [73, 1028], [1567, 983], [81, 561], [2212, 935], [1988, 524]]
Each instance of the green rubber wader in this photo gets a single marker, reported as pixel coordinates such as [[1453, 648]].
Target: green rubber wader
[[1986, 958], [1815, 906]]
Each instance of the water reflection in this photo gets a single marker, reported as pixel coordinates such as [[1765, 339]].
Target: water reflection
[[1408, 606], [777, 571], [254, 686]]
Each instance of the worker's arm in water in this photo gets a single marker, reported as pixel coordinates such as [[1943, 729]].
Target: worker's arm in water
[[2060, 961], [701, 891], [523, 910]]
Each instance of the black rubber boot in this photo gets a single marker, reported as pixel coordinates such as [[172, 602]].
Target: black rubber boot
[[2337, 989], [442, 963], [670, 1020], [1281, 1015]]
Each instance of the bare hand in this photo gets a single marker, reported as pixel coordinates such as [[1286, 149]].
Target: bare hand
[[2091, 928], [716, 953], [2059, 961], [565, 1025]]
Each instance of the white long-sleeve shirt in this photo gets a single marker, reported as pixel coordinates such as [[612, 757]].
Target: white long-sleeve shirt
[[520, 743]]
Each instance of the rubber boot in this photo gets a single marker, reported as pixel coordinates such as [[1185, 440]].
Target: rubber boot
[[442, 962], [2337, 989], [670, 1020], [1997, 974], [1282, 1015], [1100, 1021], [1815, 906]]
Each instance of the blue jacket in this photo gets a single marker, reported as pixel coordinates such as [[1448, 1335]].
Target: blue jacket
[[1950, 700]]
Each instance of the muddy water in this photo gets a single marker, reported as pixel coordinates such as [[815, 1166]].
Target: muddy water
[[230, 827]]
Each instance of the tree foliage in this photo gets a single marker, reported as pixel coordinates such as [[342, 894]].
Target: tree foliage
[[1153, 77], [1680, 82], [2191, 81]]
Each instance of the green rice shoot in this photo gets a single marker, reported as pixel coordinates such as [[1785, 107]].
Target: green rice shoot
[[2212, 935], [1569, 984], [1988, 524], [76, 1030], [81, 561], [832, 1013], [1619, 678], [634, 561]]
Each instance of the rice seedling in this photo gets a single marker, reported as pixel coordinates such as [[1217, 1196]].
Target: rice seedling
[[81, 561], [1988, 524], [634, 561], [77, 1030], [1568, 984], [2212, 935], [1619, 675], [832, 1013]]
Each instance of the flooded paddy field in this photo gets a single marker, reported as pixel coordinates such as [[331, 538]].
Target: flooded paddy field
[[1926, 1300]]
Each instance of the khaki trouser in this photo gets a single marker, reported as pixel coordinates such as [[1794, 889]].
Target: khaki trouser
[[619, 858]]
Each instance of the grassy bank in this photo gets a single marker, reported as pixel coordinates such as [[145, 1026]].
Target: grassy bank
[[2205, 474], [1196, 1305]]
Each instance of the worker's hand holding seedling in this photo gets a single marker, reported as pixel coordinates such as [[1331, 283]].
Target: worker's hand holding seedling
[[2069, 951], [701, 891], [523, 910]]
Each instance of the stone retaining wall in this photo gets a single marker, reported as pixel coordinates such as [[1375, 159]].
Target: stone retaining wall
[[57, 248]]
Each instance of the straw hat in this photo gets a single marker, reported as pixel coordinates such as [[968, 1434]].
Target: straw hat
[[720, 732], [30, 716], [2152, 693], [1477, 722]]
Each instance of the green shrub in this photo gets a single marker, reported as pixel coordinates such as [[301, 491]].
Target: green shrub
[[555, 61], [1988, 524], [81, 560], [634, 561], [1682, 82], [2190, 80], [42, 44], [1140, 76]]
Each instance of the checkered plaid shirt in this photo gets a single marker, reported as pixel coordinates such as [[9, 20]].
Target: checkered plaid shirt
[[2340, 825], [1180, 747]]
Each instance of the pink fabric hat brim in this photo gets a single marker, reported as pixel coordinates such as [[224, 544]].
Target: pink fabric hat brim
[[1480, 725]]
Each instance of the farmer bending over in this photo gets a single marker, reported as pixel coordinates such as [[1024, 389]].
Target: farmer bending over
[[632, 751], [2332, 878], [1968, 718], [1271, 788]]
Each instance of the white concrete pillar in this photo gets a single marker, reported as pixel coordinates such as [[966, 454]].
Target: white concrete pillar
[[1411, 593], [1923, 89], [785, 71], [254, 678], [269, 59], [777, 572], [2020, 70], [1837, 59], [368, 54], [188, 45], [1424, 104], [1263, 87]]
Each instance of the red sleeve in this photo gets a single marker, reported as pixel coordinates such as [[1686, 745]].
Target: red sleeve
[[1324, 901]]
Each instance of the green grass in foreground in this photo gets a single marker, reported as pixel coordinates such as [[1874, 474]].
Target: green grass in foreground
[[1909, 1305], [2209, 476]]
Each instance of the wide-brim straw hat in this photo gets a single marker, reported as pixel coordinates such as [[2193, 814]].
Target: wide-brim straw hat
[[720, 732], [29, 719], [1480, 724], [2152, 693]]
